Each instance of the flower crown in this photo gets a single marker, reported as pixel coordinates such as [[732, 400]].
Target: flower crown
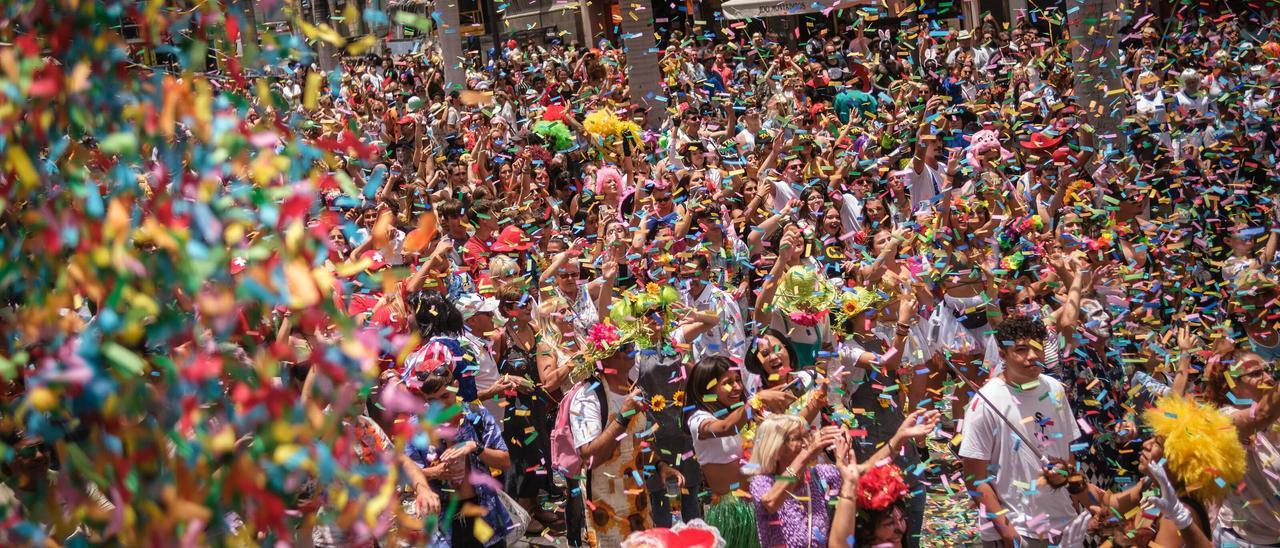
[[849, 304], [603, 340], [628, 312], [880, 487]]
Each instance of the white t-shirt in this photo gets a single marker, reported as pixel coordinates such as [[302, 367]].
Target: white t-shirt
[[783, 192], [724, 450], [1151, 106], [1254, 512], [746, 141], [924, 186], [1200, 103], [585, 420], [850, 213], [1043, 416], [486, 372], [728, 337]]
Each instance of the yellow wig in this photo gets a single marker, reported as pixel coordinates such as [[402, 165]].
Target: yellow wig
[[1201, 445]]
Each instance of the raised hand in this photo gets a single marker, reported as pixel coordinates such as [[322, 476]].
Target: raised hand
[[918, 424]]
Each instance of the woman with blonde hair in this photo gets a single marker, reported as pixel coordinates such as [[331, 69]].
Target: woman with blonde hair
[[792, 493], [558, 344]]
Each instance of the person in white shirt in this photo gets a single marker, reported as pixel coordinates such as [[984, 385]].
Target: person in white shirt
[[1148, 101], [1197, 110], [1002, 467], [925, 178], [751, 127], [728, 336], [479, 314]]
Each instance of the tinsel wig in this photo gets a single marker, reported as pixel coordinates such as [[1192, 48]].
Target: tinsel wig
[[804, 295], [556, 134], [1201, 446]]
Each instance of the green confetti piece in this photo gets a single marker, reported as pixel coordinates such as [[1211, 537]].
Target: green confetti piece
[[124, 358]]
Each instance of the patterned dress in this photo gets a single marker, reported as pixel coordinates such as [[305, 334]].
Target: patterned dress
[[804, 520], [615, 493]]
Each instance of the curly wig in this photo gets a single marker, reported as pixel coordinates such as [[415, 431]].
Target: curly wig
[[1201, 445]]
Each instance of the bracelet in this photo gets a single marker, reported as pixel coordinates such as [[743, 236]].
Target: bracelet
[[790, 472], [1076, 484], [848, 498]]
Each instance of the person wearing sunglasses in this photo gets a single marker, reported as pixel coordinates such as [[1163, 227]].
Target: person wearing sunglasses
[[457, 460], [1243, 385]]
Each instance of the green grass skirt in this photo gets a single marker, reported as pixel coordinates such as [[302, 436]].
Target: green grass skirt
[[736, 520]]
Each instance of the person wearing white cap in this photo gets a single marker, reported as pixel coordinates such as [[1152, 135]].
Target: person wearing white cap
[[980, 58], [1197, 109], [479, 313]]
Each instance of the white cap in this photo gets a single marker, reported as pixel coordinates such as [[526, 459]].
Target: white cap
[[470, 304]]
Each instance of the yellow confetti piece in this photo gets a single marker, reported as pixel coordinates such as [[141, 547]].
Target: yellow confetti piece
[[483, 531], [302, 288], [21, 163], [312, 94]]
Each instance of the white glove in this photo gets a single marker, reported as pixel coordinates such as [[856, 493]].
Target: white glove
[[1168, 503], [1075, 533]]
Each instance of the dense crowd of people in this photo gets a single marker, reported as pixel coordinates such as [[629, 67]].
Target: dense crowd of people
[[774, 306]]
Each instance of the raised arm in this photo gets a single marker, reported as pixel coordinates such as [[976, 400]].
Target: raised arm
[[1259, 416]]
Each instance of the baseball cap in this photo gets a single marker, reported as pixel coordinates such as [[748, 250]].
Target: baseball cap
[[470, 304], [512, 239]]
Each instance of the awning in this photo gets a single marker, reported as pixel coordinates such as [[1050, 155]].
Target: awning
[[755, 9]]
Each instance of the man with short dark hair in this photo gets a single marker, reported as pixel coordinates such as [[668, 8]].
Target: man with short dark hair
[[1001, 465]]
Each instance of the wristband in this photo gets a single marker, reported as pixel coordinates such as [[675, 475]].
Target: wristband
[[1075, 487]]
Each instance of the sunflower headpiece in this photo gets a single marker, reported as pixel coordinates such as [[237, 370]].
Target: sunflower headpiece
[[852, 303]]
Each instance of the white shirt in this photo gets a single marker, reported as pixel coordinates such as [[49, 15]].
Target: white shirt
[[1199, 103], [850, 353], [1254, 512], [783, 192], [746, 141], [850, 214], [723, 450], [486, 372], [1043, 416], [924, 186], [728, 337], [1152, 106], [585, 420]]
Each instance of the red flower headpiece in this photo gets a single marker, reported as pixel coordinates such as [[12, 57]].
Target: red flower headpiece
[[603, 335], [880, 487]]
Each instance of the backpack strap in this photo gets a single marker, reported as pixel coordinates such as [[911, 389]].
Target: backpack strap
[[601, 394]]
